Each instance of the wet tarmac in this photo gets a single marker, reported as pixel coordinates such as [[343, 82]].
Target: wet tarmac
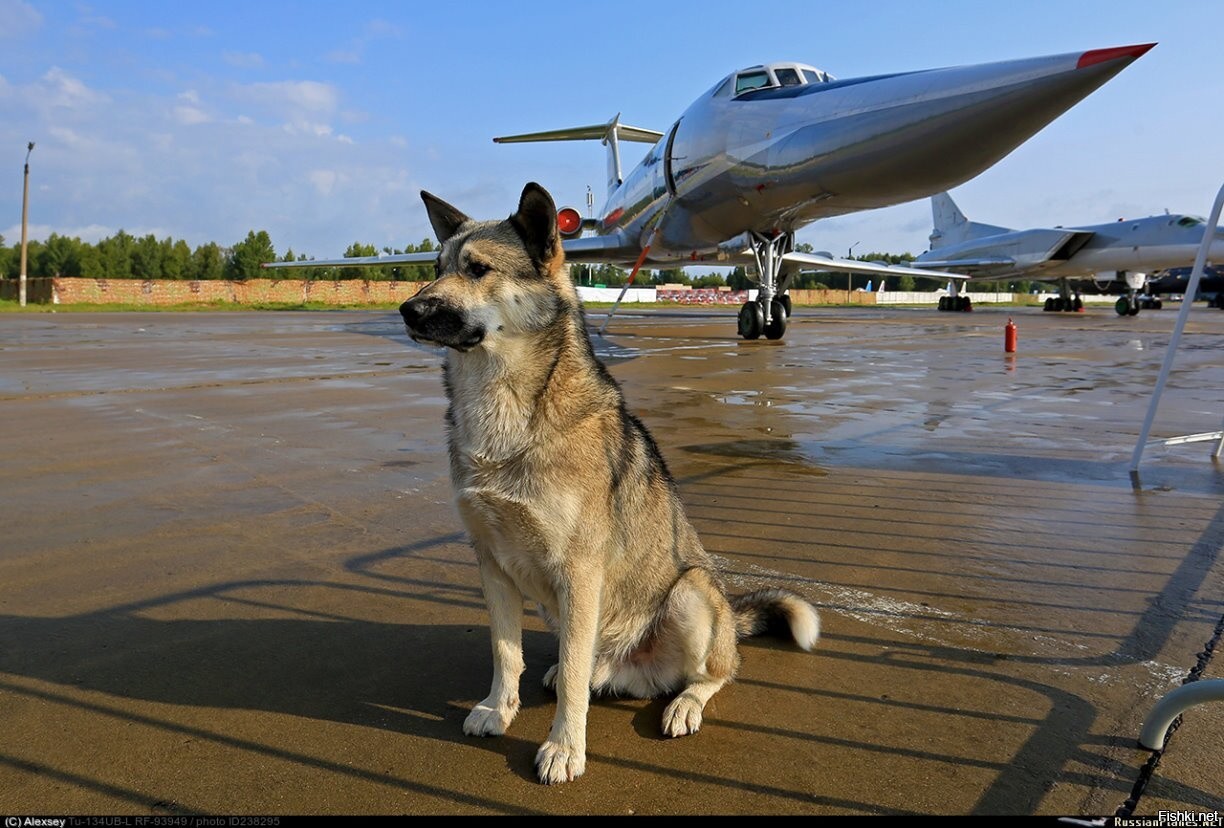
[[232, 579]]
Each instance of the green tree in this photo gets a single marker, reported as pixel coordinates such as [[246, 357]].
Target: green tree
[[738, 279], [147, 258], [246, 256], [58, 257], [115, 256], [208, 262], [175, 259]]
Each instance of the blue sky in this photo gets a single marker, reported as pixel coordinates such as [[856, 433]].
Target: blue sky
[[320, 123]]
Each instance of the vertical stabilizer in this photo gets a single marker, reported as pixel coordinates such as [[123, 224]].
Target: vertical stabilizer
[[951, 226]]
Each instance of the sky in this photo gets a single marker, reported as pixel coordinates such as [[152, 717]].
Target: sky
[[321, 122]]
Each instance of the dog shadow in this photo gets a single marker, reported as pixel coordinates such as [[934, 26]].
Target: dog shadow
[[405, 678]]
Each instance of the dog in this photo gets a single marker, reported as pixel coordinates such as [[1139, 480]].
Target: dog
[[565, 497]]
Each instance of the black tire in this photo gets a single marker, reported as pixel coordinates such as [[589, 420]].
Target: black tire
[[1157, 304], [775, 328], [751, 320], [1049, 304], [1077, 304], [943, 303], [966, 304], [1134, 311], [1122, 306], [786, 303]]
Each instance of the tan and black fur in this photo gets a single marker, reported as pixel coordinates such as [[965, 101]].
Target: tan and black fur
[[565, 496]]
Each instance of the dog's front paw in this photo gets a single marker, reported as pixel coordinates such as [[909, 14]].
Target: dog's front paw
[[557, 763], [682, 716], [490, 718], [550, 678]]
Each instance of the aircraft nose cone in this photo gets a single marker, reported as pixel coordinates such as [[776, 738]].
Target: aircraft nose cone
[[905, 137], [1095, 56]]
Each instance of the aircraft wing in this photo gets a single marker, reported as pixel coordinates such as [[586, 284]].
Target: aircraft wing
[[831, 264], [948, 264], [612, 248]]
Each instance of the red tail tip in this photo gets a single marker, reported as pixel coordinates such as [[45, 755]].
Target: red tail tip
[[1101, 55]]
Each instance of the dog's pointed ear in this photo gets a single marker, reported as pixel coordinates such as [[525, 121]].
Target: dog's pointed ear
[[536, 222], [446, 220]]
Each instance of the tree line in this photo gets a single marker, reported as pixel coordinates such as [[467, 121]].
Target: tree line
[[123, 256]]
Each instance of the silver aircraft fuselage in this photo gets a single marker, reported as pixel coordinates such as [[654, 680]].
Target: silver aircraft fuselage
[[1144, 245], [770, 160]]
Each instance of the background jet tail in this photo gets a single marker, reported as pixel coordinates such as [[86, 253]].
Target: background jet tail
[[951, 227], [611, 134]]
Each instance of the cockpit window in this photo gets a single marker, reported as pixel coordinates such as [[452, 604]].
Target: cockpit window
[[746, 81], [814, 76], [1190, 221], [788, 77]]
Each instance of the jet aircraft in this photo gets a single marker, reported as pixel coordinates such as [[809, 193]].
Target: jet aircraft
[[770, 148], [1123, 250]]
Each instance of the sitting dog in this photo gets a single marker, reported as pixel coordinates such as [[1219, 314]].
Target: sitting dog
[[565, 496]]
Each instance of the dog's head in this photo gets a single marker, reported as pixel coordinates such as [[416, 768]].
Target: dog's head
[[495, 279]]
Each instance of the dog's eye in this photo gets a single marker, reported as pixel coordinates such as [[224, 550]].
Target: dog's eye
[[477, 269]]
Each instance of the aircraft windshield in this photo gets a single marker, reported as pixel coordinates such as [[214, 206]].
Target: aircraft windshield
[[776, 75], [746, 81], [1190, 221]]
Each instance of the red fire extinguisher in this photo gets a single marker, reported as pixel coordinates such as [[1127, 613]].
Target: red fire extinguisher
[[1009, 337]]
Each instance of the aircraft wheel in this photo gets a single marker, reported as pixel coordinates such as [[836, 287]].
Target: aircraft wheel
[[786, 303], [776, 326], [1049, 304], [1134, 311], [943, 303], [1157, 304], [751, 320], [966, 304], [1077, 304], [1122, 306]]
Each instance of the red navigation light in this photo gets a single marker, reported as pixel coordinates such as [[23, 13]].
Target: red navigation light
[[569, 221]]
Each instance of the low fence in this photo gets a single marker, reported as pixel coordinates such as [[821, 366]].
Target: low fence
[[348, 292], [71, 291]]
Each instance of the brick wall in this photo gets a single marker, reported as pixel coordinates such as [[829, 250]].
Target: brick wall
[[69, 291]]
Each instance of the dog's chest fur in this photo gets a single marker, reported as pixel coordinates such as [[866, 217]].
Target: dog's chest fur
[[502, 453]]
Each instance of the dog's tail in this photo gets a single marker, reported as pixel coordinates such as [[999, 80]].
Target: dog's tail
[[755, 611]]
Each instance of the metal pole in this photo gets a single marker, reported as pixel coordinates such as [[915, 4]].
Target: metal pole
[[25, 214], [1200, 262], [850, 276]]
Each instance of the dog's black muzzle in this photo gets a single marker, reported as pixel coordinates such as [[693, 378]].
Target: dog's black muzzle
[[430, 319]]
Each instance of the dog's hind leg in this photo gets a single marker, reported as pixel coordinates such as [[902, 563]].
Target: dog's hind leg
[[563, 757], [492, 716], [702, 628]]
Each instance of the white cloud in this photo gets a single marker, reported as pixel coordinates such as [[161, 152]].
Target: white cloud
[[64, 90], [190, 115], [18, 19], [310, 96]]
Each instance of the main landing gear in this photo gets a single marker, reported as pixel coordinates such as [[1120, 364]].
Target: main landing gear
[[770, 311], [1132, 303], [1066, 300], [961, 304]]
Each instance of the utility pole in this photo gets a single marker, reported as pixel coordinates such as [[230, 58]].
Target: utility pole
[[850, 276], [25, 220]]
